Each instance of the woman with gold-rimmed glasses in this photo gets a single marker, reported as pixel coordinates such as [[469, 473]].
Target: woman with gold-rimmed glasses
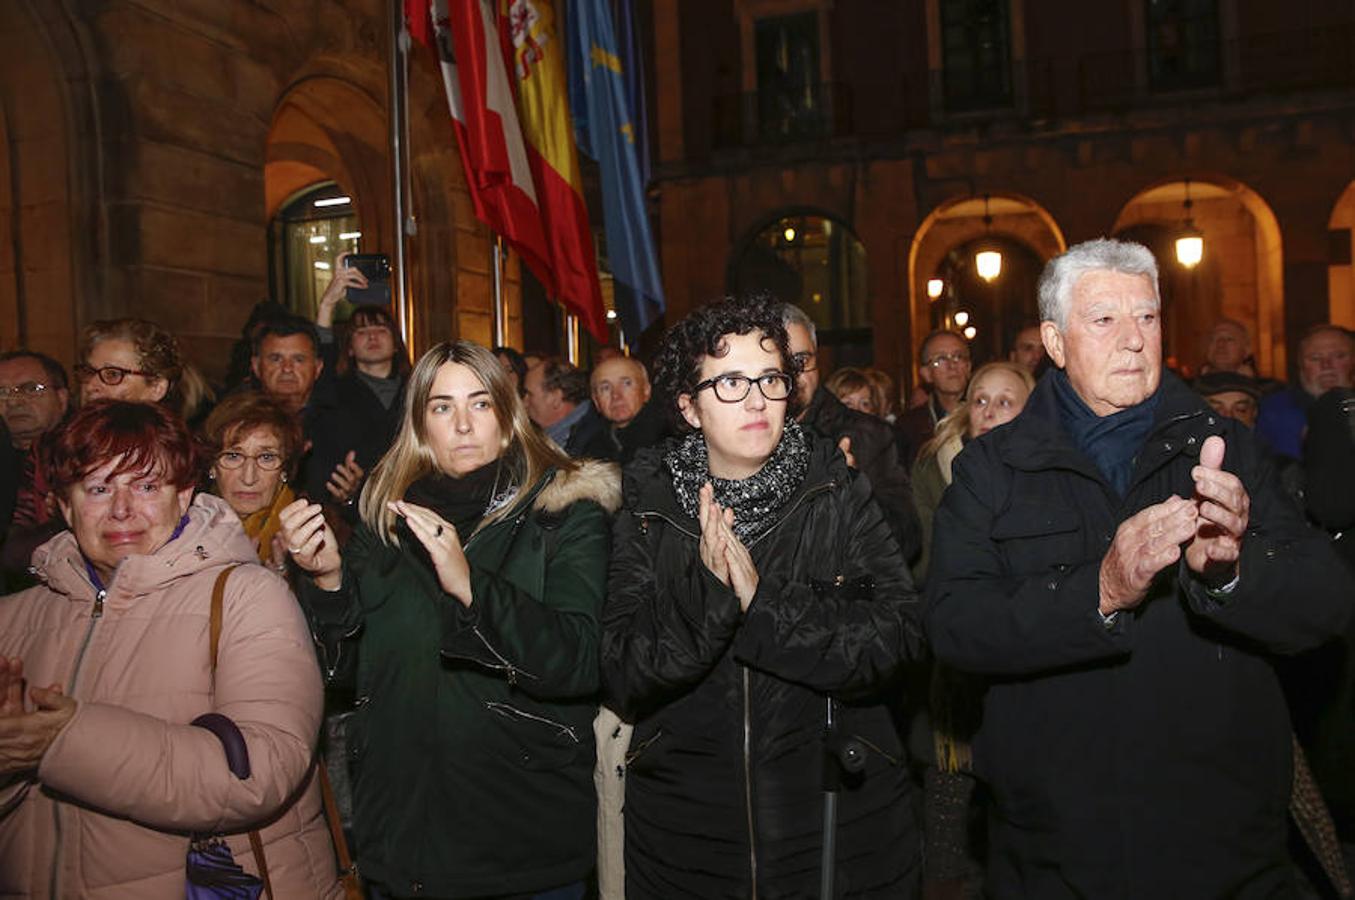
[[254, 445], [757, 600], [138, 361]]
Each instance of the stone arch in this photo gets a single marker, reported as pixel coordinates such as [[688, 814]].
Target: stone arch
[[48, 248], [1340, 273], [1241, 276], [958, 222], [328, 128]]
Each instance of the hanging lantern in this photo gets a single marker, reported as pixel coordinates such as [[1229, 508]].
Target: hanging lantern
[[1190, 243], [988, 263], [935, 287]]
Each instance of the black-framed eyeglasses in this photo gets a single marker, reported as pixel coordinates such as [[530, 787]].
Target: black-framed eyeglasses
[[734, 388], [268, 460], [805, 360], [26, 391], [941, 359], [109, 375]]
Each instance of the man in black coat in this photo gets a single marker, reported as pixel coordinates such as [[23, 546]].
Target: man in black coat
[[1121, 564], [868, 442]]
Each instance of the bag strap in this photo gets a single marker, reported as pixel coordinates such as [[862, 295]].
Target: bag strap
[[215, 620], [217, 615], [346, 866]]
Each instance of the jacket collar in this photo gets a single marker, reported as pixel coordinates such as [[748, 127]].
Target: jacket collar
[[212, 537], [1036, 439]]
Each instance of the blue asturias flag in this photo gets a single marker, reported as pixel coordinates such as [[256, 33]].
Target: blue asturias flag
[[605, 130]]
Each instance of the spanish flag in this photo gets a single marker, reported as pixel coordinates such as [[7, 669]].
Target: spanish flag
[[532, 37]]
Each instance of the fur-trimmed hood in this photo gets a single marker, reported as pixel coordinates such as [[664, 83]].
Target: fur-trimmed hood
[[593, 480]]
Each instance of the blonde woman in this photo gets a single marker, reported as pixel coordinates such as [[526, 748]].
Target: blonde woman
[[472, 590], [996, 394]]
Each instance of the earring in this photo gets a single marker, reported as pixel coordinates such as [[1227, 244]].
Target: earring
[[284, 477], [211, 475]]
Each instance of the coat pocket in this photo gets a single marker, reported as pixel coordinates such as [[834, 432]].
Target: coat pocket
[[538, 742], [1035, 539]]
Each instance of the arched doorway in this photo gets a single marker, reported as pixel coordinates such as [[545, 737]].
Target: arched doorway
[[47, 236], [943, 252], [817, 263], [329, 130], [1341, 274], [1239, 277], [989, 313], [305, 239]]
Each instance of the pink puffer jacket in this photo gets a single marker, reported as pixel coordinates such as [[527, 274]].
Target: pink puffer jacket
[[106, 815]]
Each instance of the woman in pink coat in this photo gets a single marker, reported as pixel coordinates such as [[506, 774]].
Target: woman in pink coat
[[104, 665]]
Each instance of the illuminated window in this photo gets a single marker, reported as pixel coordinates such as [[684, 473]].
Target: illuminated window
[[818, 264], [307, 236]]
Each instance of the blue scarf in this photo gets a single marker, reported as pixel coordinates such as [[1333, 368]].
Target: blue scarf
[[1111, 442]]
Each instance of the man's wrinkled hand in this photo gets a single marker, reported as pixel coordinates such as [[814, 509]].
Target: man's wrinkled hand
[[1145, 544]]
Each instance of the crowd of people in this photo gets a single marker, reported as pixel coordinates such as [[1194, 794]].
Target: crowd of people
[[722, 625]]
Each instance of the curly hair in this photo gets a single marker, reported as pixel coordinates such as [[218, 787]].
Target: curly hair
[[158, 353], [702, 333]]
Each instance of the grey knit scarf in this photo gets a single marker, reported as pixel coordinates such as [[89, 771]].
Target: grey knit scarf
[[756, 499]]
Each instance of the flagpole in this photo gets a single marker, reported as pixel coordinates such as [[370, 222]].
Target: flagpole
[[500, 304], [399, 136], [572, 338]]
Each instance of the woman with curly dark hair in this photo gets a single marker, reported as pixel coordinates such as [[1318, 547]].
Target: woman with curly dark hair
[[757, 603]]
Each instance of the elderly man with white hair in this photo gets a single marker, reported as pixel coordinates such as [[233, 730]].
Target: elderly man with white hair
[[1120, 564]]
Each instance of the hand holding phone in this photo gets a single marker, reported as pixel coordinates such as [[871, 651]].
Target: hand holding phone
[[375, 268]]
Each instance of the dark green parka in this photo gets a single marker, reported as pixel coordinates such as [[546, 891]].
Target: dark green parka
[[472, 746]]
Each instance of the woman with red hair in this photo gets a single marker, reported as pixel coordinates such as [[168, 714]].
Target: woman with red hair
[[114, 753]]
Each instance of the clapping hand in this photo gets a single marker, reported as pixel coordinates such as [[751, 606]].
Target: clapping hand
[[24, 735], [443, 544], [721, 550], [346, 478], [302, 528], [1145, 544], [1223, 511]]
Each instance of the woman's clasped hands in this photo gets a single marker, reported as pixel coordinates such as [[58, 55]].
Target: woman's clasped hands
[[722, 551]]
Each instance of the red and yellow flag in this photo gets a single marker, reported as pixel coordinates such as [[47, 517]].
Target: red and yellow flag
[[537, 55]]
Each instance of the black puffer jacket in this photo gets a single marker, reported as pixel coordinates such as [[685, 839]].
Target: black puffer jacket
[[724, 786], [1149, 757], [877, 457]]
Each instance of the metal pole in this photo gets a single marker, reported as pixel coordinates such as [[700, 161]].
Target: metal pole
[[500, 301], [399, 134], [572, 338]]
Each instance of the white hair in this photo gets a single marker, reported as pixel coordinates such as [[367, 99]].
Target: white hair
[[793, 315], [1061, 273]]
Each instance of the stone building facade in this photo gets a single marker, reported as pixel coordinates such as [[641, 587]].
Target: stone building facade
[[145, 145], [148, 144], [1087, 119]]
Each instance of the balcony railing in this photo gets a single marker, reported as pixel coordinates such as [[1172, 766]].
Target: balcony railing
[[1044, 89], [813, 113]]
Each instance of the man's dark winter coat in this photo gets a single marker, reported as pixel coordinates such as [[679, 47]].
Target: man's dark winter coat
[[1149, 757], [877, 457]]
